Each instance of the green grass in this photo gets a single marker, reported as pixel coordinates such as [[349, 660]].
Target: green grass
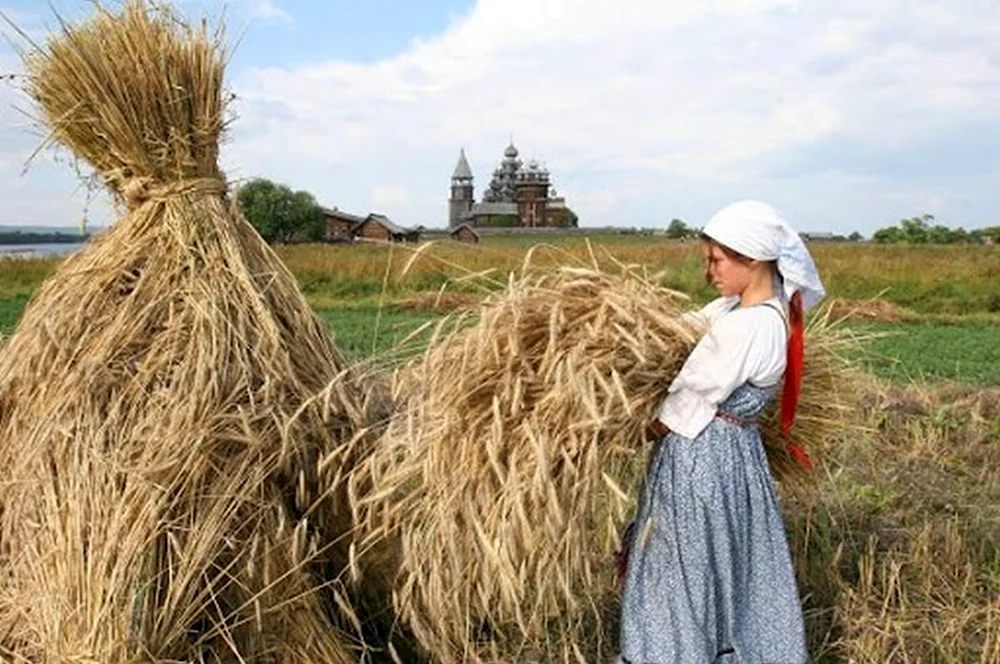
[[11, 309], [359, 329], [362, 332], [909, 352], [918, 352], [24, 276], [952, 289], [930, 280]]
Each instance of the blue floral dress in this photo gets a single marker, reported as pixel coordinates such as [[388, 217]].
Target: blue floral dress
[[709, 577]]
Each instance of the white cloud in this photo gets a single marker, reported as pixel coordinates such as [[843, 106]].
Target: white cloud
[[267, 10], [389, 196], [646, 110], [635, 106]]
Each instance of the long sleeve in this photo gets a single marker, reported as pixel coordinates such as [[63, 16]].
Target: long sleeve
[[711, 312], [742, 345]]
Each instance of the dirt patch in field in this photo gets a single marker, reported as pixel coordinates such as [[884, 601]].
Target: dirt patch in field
[[440, 302], [875, 310]]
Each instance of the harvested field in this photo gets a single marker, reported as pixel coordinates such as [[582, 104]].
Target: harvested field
[[896, 548]]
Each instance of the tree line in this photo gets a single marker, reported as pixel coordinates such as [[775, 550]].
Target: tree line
[[678, 230], [915, 230], [925, 230], [32, 237]]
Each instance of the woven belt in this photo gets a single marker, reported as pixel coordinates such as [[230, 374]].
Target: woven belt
[[736, 419]]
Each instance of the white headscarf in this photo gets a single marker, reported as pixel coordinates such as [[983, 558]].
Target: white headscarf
[[758, 231]]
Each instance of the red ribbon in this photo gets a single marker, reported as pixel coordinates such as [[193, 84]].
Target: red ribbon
[[793, 379]]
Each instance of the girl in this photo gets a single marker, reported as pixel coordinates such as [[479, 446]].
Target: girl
[[709, 576]]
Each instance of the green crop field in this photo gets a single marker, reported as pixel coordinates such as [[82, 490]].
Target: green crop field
[[951, 294], [928, 352], [905, 352]]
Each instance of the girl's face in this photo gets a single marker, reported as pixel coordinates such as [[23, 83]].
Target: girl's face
[[729, 275]]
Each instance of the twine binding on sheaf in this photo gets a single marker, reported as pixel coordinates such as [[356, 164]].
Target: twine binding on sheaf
[[136, 191]]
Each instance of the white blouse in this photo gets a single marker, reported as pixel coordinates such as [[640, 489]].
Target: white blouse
[[741, 345]]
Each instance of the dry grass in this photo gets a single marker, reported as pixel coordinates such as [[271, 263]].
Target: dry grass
[[896, 548], [953, 280], [441, 301], [928, 280], [159, 436], [875, 310], [513, 460]]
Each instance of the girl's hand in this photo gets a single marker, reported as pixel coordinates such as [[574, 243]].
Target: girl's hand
[[656, 429]]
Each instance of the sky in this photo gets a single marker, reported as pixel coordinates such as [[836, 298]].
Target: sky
[[846, 115]]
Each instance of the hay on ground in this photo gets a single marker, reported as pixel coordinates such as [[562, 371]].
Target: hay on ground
[[440, 301], [875, 310], [509, 471], [159, 437]]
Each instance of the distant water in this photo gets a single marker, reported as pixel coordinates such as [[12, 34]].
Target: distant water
[[38, 250]]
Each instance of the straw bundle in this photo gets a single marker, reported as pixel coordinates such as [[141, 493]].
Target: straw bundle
[[159, 440], [509, 472]]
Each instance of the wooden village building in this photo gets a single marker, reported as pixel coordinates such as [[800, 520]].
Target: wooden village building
[[378, 227], [465, 233], [519, 195], [341, 226]]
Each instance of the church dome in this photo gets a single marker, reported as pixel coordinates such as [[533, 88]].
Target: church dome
[[533, 172]]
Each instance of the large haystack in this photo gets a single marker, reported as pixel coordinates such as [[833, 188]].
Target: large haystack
[[159, 467], [510, 471]]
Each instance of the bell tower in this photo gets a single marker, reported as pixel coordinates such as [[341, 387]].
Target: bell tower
[[461, 191], [532, 195]]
